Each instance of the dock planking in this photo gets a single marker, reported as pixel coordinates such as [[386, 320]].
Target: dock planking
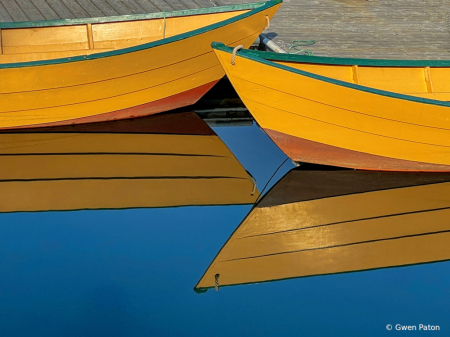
[[4, 15], [176, 5], [147, 6], [191, 4], [105, 8], [14, 10], [74, 7], [60, 9], [34, 10], [45, 9], [134, 6], [162, 5], [90, 8], [386, 29], [120, 7], [30, 10], [401, 29]]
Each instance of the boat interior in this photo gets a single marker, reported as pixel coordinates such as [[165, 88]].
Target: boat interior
[[44, 40], [425, 82]]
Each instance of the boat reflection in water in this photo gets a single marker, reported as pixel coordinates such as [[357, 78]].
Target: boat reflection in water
[[157, 161], [320, 221]]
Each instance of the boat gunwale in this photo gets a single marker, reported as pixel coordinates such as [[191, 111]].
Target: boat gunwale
[[262, 6], [201, 290], [250, 55], [347, 61]]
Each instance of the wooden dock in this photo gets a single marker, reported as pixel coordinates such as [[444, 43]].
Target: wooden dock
[[400, 29], [32, 10]]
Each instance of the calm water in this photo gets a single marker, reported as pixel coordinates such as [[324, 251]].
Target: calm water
[[132, 273]]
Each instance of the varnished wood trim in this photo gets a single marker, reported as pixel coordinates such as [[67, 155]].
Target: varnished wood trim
[[90, 36], [355, 74], [428, 79]]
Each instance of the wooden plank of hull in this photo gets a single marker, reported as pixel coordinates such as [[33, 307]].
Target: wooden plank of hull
[[404, 132], [64, 90], [165, 104], [359, 228], [122, 193], [146, 162]]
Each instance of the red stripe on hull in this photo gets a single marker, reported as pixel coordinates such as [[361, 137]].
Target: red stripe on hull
[[169, 103], [306, 151]]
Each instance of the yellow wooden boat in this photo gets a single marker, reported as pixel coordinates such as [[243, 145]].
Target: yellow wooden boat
[[317, 222], [157, 161], [88, 70], [364, 114]]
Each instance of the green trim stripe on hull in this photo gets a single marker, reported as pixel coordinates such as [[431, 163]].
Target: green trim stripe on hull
[[346, 61]]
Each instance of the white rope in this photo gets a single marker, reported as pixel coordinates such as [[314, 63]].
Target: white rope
[[234, 53], [268, 22]]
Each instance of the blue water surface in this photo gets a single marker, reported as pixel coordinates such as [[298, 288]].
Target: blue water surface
[[132, 273]]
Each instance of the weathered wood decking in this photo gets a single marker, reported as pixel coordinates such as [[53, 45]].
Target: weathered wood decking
[[393, 29], [400, 29], [31, 10]]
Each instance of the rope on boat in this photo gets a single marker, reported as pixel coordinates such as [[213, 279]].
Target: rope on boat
[[254, 182], [216, 279], [234, 53], [296, 44], [268, 22]]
